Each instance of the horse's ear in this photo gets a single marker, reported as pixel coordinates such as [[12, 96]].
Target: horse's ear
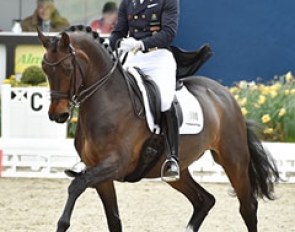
[[44, 40], [64, 41]]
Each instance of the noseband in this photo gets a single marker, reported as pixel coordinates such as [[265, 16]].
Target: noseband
[[80, 94]]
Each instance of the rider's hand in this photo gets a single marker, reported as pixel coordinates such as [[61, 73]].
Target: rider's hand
[[131, 45]]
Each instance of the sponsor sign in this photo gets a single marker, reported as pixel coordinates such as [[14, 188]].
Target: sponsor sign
[[26, 56]]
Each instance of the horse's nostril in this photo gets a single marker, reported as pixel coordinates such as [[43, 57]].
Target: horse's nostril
[[51, 117], [59, 118], [63, 117]]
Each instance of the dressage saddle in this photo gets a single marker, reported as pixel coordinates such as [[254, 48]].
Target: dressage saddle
[[187, 64]]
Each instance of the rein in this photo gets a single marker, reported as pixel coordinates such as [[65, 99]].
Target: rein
[[79, 95], [83, 95]]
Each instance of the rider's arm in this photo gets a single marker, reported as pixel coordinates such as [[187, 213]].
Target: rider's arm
[[122, 26], [169, 24]]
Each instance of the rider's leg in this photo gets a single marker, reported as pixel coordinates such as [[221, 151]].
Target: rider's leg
[[170, 168], [160, 66]]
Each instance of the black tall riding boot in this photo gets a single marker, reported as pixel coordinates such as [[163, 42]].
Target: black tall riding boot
[[170, 168]]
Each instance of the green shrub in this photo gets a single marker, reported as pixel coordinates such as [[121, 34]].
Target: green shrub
[[272, 105], [33, 75]]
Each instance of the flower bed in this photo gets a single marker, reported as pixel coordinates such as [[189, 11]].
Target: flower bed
[[273, 105]]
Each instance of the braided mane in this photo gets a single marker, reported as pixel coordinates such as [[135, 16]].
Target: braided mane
[[88, 30]]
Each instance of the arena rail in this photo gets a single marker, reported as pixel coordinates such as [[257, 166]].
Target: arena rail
[[47, 158]]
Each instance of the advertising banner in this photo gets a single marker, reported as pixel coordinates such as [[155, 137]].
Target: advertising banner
[[26, 56]]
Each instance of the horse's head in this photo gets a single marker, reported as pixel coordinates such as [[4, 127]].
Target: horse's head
[[77, 64], [58, 65]]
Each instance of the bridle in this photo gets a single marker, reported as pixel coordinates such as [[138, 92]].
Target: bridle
[[80, 94]]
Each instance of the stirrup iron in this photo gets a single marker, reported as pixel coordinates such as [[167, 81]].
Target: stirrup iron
[[174, 175]]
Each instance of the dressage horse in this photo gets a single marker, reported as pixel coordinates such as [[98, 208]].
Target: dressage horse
[[110, 137]]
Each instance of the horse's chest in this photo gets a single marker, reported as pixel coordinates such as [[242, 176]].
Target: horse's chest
[[90, 153]]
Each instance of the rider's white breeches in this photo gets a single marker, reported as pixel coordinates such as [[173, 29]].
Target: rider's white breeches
[[160, 65]]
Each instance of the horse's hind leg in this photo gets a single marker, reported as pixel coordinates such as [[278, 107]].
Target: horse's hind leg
[[235, 161], [201, 200], [108, 196]]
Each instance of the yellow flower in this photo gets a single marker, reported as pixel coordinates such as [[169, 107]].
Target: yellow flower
[[234, 90], [253, 87], [74, 120], [264, 89], [265, 118], [289, 76], [242, 101], [243, 84], [292, 91], [244, 111], [276, 87], [268, 131], [257, 106], [287, 92], [282, 112], [261, 99], [6, 81], [273, 93], [237, 97]]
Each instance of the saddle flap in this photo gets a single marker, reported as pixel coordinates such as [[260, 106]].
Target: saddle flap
[[146, 92]]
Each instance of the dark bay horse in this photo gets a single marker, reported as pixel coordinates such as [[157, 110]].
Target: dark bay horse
[[109, 135]]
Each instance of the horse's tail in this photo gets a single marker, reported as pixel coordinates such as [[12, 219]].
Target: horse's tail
[[262, 170]]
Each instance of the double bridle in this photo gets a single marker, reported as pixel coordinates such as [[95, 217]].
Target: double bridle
[[82, 93]]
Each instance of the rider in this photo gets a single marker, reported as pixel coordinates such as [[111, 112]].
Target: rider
[[147, 28]]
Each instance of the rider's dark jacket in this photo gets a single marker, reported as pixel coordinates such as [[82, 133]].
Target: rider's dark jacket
[[154, 22]]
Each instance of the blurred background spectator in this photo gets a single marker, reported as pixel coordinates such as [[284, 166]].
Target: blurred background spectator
[[47, 17], [108, 20]]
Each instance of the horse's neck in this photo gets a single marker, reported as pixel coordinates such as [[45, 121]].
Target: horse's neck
[[112, 99], [97, 68]]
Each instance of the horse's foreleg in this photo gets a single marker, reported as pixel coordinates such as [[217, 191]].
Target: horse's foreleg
[[201, 200], [76, 188], [108, 196], [105, 171]]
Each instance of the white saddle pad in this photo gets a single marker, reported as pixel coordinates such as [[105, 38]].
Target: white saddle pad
[[193, 120]]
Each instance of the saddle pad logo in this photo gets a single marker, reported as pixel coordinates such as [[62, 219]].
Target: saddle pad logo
[[193, 119]]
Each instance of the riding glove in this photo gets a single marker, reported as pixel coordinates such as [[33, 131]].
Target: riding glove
[[131, 45]]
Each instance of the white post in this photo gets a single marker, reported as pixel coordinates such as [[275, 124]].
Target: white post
[[5, 110]]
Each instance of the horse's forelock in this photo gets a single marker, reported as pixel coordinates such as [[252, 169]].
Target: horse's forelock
[[54, 43]]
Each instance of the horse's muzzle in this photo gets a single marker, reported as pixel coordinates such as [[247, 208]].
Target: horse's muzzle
[[59, 118]]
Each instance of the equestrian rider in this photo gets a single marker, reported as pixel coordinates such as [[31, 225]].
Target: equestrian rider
[[147, 28]]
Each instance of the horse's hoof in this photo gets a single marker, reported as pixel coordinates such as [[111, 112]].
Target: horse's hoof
[[77, 170]]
